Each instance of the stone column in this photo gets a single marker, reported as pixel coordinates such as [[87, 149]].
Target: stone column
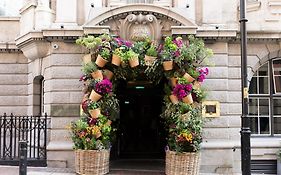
[[44, 15], [66, 13]]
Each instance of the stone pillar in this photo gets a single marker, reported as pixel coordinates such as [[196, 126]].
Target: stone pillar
[[44, 15], [66, 13]]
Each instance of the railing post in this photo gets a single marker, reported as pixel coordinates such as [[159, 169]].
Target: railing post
[[23, 157]]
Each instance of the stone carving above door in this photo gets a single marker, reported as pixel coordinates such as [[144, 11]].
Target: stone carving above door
[[140, 20]]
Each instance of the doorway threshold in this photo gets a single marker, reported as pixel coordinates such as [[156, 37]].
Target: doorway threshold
[[137, 166]]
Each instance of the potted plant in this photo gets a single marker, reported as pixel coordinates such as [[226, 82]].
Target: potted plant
[[116, 57], [94, 109], [183, 91], [91, 69], [151, 55], [101, 88], [91, 43], [103, 57], [132, 57]]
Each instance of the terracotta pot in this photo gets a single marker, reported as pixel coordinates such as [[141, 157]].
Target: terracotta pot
[[116, 60], [100, 61], [168, 65], [174, 99], [95, 96], [134, 62], [94, 113], [188, 77], [87, 58], [196, 85], [149, 60], [108, 74], [97, 75], [188, 99], [173, 81]]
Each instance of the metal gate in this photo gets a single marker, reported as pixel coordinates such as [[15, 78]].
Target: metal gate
[[32, 129]]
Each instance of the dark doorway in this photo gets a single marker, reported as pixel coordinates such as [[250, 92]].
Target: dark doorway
[[141, 134]]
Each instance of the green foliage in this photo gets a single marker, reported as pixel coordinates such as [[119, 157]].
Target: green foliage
[[93, 105], [89, 67], [90, 42], [130, 54], [105, 53], [152, 51]]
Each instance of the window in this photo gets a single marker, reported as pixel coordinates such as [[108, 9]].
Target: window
[[265, 99], [10, 7]]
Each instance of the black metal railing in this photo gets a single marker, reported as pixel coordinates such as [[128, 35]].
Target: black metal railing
[[32, 129]]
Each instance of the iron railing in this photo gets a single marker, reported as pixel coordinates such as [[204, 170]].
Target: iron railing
[[32, 129]]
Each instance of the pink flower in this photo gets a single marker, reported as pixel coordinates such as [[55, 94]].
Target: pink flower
[[182, 90], [103, 87]]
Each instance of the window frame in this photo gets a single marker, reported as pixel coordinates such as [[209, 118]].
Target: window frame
[[272, 95]]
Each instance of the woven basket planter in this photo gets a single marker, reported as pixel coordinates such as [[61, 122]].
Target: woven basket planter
[[92, 162], [186, 163]]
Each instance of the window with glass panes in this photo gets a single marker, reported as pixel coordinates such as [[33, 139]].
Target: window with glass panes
[[265, 99]]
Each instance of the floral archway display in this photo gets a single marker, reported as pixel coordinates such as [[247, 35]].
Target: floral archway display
[[111, 59]]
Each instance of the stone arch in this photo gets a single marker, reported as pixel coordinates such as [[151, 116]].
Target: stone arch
[[263, 60], [142, 18]]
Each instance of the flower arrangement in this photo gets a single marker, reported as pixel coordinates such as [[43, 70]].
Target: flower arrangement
[[103, 87]]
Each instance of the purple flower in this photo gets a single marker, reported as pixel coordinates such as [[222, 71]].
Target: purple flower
[[103, 87], [182, 90], [201, 77], [83, 78], [92, 121], [128, 43], [203, 73], [178, 42], [177, 53]]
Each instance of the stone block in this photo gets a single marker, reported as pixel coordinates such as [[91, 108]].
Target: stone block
[[220, 96], [13, 100], [219, 60], [223, 108], [216, 84], [62, 134], [234, 73], [12, 90], [16, 110], [64, 158], [218, 72], [234, 85], [223, 122], [70, 72], [234, 49], [216, 133], [13, 68], [17, 79], [67, 48], [66, 59], [234, 108], [212, 154], [62, 122], [63, 85], [218, 47], [63, 109], [15, 58], [234, 60], [234, 96], [63, 97]]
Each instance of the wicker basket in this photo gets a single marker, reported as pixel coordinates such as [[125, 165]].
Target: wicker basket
[[92, 162], [182, 163]]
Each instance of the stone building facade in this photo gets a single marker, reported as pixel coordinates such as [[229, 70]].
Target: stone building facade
[[40, 64]]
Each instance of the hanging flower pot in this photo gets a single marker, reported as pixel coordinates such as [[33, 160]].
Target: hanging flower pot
[[108, 74], [116, 60], [97, 75], [188, 99], [174, 99], [149, 60], [87, 58], [100, 61], [134, 62], [173, 81], [188, 77], [168, 65], [95, 96], [196, 85], [95, 112]]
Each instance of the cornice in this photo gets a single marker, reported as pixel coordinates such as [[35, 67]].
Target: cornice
[[9, 47]]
